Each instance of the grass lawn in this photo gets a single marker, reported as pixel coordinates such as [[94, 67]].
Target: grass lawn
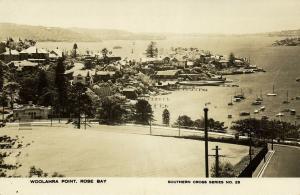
[[112, 151]]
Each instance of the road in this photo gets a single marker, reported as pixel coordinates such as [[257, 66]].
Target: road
[[284, 163]]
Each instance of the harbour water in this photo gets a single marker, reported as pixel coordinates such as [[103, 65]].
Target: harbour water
[[282, 65]]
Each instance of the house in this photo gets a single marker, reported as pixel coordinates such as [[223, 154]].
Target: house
[[167, 74], [10, 55], [23, 65], [55, 54], [84, 77], [130, 93], [31, 111], [33, 54], [224, 63], [104, 75]]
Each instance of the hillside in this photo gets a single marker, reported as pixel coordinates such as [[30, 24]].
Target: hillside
[[41, 33], [286, 33]]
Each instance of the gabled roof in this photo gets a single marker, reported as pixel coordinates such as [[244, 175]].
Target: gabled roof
[[33, 49], [57, 52], [11, 52], [24, 63], [83, 73]]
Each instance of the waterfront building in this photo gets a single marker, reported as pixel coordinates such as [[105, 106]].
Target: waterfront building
[[167, 74], [31, 111]]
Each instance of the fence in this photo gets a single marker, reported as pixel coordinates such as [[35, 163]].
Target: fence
[[248, 171]]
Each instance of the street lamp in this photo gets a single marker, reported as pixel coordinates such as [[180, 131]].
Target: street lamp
[[79, 106], [206, 141]]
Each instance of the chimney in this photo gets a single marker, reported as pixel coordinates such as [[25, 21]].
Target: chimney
[[36, 50]]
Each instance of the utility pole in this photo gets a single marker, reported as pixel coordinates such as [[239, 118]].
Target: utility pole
[[150, 127], [206, 142], [250, 146], [217, 161], [179, 126], [51, 115], [79, 96]]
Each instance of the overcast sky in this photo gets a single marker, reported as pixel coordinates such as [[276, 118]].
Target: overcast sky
[[178, 16]]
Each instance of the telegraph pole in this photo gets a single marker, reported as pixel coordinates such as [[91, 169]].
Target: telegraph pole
[[150, 127], [250, 146], [179, 126], [206, 142], [217, 161]]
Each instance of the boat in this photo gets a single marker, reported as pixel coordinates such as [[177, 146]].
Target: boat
[[243, 113], [229, 116], [264, 117], [262, 108], [256, 103], [298, 79], [240, 96], [292, 111], [297, 97], [272, 94], [287, 98], [237, 99], [279, 114], [117, 47], [259, 99], [256, 111], [298, 117], [202, 83], [230, 103]]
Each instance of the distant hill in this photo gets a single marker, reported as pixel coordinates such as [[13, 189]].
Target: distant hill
[[285, 33], [41, 33]]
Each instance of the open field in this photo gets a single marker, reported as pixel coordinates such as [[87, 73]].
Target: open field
[[112, 151]]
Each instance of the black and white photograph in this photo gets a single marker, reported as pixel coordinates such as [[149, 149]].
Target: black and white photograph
[[150, 89]]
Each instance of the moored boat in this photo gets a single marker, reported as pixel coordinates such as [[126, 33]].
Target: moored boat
[[292, 111], [279, 114], [243, 113]]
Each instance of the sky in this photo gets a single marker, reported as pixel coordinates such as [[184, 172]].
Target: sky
[[173, 16]]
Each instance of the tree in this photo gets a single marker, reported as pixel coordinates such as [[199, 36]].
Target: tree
[[166, 117], [75, 47], [61, 86], [185, 121], [199, 123], [152, 50], [225, 170], [143, 112], [104, 52], [231, 59], [11, 89], [1, 76], [80, 101], [111, 111], [28, 91]]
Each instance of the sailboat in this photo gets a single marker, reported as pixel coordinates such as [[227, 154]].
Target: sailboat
[[287, 98], [272, 94], [259, 99], [230, 103]]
